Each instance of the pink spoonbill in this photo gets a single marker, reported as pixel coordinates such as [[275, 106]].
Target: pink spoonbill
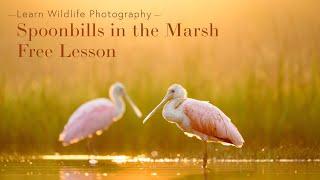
[[95, 116], [198, 118]]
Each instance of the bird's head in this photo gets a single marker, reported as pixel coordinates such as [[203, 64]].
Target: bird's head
[[174, 91], [118, 90]]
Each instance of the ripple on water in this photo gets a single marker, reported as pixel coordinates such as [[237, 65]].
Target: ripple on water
[[79, 166]]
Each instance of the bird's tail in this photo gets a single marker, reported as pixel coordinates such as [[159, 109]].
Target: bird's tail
[[62, 137], [238, 140]]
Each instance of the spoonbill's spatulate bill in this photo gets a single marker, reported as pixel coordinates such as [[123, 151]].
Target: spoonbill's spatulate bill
[[198, 118], [96, 115]]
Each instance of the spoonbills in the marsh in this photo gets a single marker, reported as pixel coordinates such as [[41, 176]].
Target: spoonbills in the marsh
[[198, 118], [96, 115]]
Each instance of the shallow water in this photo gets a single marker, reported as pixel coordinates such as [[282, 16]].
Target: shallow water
[[141, 167]]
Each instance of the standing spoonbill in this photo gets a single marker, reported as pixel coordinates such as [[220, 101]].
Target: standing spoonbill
[[96, 115], [198, 118]]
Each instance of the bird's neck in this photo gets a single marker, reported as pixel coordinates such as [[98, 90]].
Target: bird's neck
[[175, 103], [118, 103], [172, 110]]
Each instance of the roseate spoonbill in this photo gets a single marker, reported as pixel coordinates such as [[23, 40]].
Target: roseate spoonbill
[[198, 118], [96, 115]]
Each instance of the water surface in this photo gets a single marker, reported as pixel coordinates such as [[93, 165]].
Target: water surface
[[141, 167]]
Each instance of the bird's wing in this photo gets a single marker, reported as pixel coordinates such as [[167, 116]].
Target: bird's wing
[[89, 118], [211, 121]]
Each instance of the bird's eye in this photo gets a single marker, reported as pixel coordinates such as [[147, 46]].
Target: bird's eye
[[172, 91]]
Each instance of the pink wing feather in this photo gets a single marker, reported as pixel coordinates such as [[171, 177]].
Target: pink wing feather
[[211, 121], [89, 118]]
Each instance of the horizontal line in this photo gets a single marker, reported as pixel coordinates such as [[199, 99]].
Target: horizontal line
[[157, 15], [11, 15], [125, 158]]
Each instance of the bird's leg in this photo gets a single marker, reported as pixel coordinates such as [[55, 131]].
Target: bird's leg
[[91, 154], [89, 149], [205, 174], [205, 155]]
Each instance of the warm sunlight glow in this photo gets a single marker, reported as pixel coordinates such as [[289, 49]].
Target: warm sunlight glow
[[119, 159]]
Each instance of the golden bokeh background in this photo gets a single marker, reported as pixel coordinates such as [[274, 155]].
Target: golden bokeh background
[[263, 70]]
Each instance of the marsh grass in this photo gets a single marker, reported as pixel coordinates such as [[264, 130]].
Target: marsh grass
[[268, 117], [263, 71]]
